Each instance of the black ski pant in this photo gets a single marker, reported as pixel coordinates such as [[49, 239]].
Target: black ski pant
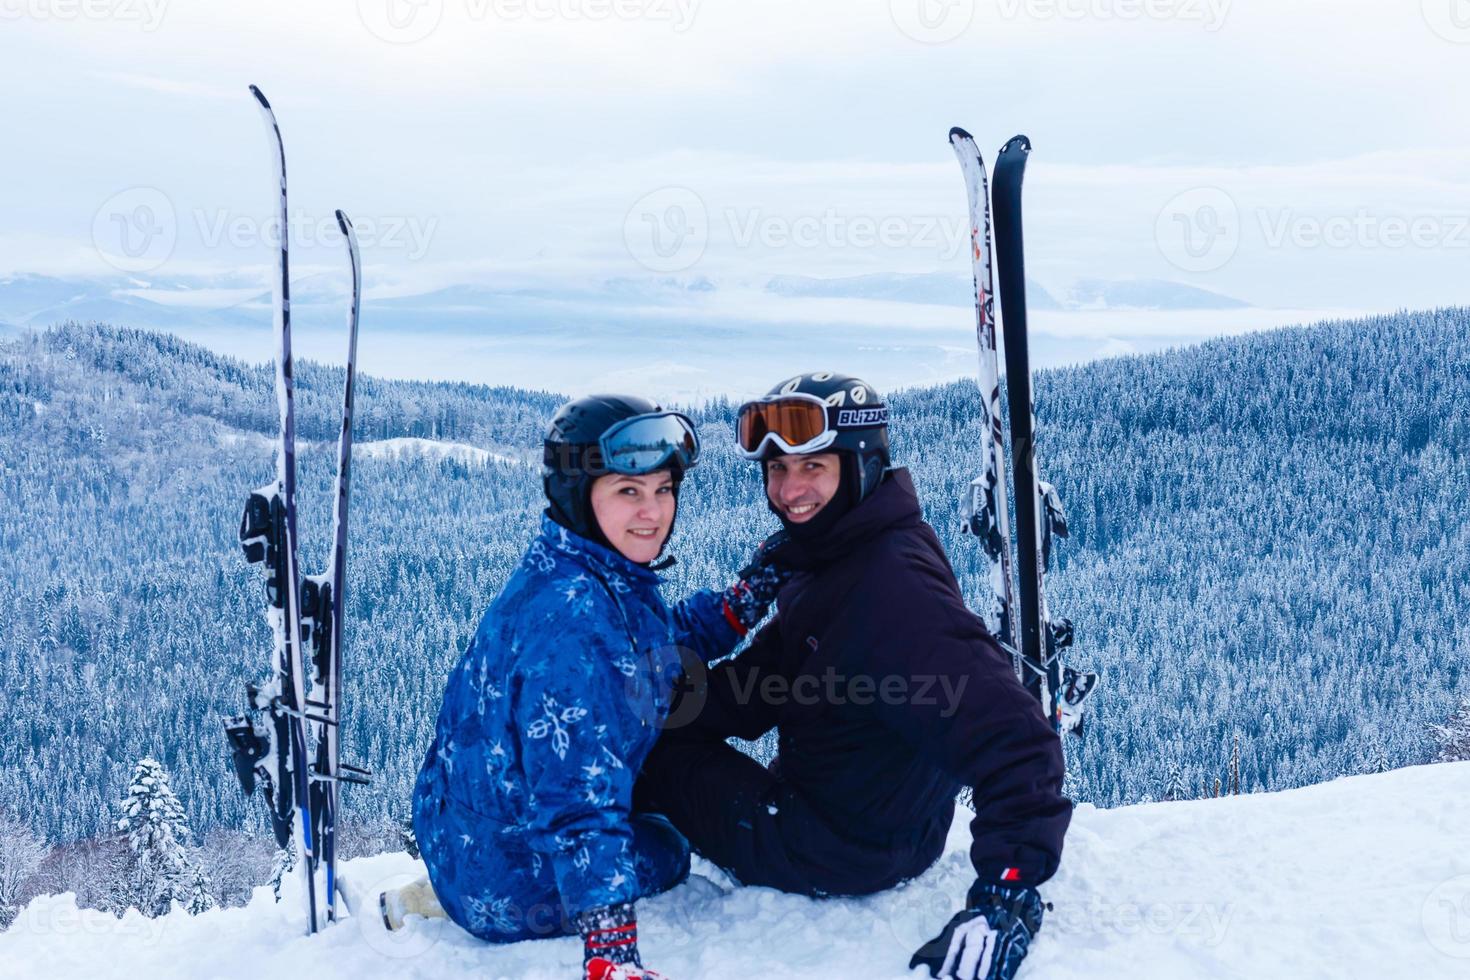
[[739, 815]]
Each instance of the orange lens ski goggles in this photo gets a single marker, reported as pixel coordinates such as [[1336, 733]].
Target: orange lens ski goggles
[[797, 424]]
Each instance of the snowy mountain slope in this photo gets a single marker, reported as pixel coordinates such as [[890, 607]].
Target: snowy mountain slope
[[1366, 876], [1145, 294], [398, 448], [432, 449]]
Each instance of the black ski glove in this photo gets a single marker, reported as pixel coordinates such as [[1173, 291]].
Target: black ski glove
[[989, 939], [610, 944], [748, 599]]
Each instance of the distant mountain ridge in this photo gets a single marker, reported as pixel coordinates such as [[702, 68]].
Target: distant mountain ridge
[[1145, 294], [932, 288], [945, 289], [181, 304]]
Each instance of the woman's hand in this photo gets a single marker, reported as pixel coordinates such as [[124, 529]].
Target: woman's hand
[[600, 969], [748, 599], [610, 944]]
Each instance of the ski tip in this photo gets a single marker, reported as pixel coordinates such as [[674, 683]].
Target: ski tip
[[956, 133], [343, 222], [1019, 144], [259, 96]]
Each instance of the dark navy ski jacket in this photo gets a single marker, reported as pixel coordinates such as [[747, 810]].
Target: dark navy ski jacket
[[889, 694]]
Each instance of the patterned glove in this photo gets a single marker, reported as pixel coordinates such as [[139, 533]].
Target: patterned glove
[[610, 944], [600, 969], [748, 599], [989, 939]]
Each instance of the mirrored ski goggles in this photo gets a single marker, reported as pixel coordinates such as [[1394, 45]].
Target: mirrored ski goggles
[[645, 443], [798, 423]]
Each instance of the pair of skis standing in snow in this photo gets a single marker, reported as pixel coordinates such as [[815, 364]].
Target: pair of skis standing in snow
[[289, 738], [582, 850], [1039, 516]]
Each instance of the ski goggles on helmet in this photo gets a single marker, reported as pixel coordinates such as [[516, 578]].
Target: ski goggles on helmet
[[798, 424], [646, 443]]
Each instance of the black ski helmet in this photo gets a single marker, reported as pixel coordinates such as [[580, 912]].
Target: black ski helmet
[[864, 449], [572, 458]]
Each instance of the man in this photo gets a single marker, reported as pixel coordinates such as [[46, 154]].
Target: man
[[887, 695]]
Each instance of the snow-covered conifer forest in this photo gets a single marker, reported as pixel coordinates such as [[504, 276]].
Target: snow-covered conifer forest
[[1270, 556]]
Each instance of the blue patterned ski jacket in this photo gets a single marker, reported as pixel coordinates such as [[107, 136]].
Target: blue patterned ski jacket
[[522, 806]]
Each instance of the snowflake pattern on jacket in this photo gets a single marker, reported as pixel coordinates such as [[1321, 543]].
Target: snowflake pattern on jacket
[[523, 805]]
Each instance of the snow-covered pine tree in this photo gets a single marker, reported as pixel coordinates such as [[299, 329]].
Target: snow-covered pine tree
[[160, 869], [1377, 760], [21, 853], [200, 899], [1454, 736], [1174, 787], [284, 863]]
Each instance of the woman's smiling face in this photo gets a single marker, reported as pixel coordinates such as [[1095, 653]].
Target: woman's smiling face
[[635, 512]]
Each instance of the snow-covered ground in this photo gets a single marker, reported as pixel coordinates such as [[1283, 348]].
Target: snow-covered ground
[[1367, 876]]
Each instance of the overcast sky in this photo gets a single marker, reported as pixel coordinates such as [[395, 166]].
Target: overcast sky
[[1292, 153]]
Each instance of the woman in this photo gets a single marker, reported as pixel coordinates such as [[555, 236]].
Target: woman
[[523, 806]]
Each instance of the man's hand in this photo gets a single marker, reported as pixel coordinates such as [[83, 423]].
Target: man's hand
[[989, 939]]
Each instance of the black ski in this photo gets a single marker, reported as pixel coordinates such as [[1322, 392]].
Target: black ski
[[1038, 510]]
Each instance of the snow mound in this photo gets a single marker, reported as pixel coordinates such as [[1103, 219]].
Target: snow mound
[[1366, 876], [431, 449]]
